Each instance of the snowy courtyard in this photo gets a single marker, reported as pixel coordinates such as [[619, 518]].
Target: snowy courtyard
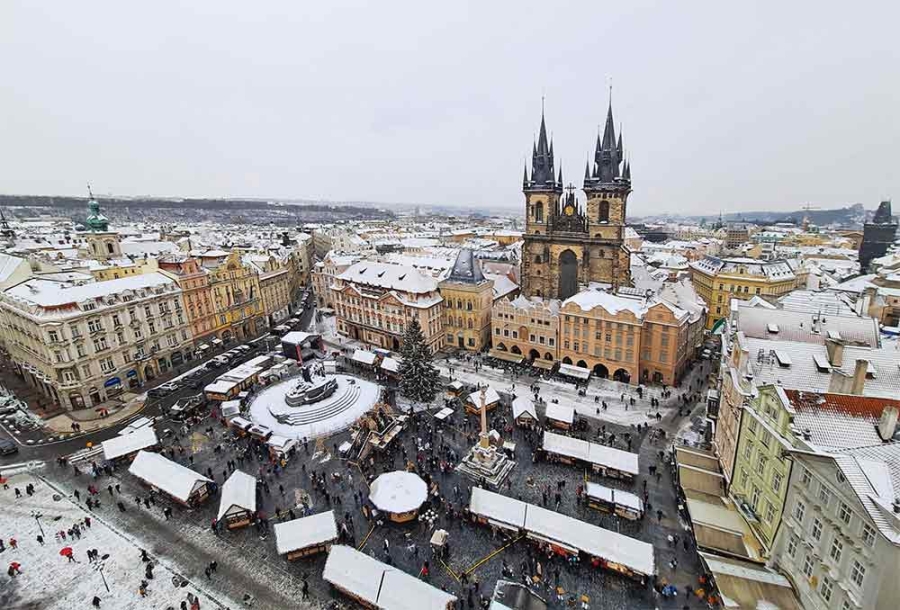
[[51, 581]]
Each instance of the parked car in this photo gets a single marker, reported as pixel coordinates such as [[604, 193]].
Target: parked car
[[8, 447]]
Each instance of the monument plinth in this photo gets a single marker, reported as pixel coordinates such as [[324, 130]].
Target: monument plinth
[[485, 463]]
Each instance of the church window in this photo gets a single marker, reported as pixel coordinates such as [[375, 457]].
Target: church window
[[603, 215], [537, 259], [109, 247], [539, 212]]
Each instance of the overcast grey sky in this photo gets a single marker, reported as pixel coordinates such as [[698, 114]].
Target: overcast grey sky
[[725, 105]]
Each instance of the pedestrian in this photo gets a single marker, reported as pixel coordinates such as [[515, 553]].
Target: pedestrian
[[13, 543], [109, 488], [40, 540], [207, 571], [87, 522], [118, 489], [213, 565], [96, 602], [304, 590], [121, 506]]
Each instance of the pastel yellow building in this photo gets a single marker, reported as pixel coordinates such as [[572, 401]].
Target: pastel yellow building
[[719, 280], [468, 297]]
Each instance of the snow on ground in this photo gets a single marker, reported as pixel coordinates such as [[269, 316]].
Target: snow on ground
[[49, 581], [274, 395], [608, 390]]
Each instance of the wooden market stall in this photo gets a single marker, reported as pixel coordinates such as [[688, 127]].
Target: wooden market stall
[[237, 505], [524, 413], [306, 536], [125, 447], [399, 495], [607, 461], [491, 401], [615, 501], [176, 481], [374, 584], [560, 416]]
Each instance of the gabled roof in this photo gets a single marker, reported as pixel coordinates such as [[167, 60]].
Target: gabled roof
[[466, 269]]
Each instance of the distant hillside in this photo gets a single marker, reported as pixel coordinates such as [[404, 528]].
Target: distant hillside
[[252, 211], [851, 216]]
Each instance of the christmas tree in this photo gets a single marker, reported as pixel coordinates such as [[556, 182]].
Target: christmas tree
[[418, 377]]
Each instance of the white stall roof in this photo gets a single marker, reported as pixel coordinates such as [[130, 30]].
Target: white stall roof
[[578, 372], [391, 365], [363, 357], [398, 491], [281, 443], [305, 532], [610, 457], [522, 405], [601, 455], [400, 591], [240, 422], [355, 572], [596, 541], [560, 412], [230, 409], [443, 414], [220, 387], [172, 478], [616, 496], [456, 386], [118, 446], [380, 585], [566, 445], [297, 337], [490, 397], [238, 494], [497, 507]]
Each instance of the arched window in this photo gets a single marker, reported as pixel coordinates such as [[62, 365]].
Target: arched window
[[109, 247], [539, 212], [470, 323], [537, 259], [603, 215], [469, 306]]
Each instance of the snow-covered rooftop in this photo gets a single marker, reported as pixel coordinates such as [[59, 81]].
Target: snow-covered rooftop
[[305, 532], [118, 446], [238, 494], [393, 277], [176, 480], [47, 293]]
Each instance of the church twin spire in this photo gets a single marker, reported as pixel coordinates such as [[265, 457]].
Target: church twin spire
[[609, 167]]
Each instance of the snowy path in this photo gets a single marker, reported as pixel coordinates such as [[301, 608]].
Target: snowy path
[[49, 581]]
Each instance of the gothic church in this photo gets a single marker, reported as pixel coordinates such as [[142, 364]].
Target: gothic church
[[569, 246]]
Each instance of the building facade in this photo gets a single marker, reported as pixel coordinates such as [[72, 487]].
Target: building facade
[[567, 246], [274, 284], [324, 273], [194, 283], [374, 302], [839, 543], [81, 344], [236, 297], [468, 299], [526, 328], [718, 280]]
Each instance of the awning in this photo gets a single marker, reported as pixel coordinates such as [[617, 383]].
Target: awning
[[506, 356], [363, 357], [578, 372], [112, 382], [543, 364]]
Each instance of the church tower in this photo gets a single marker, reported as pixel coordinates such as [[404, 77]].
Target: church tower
[[607, 184], [568, 247]]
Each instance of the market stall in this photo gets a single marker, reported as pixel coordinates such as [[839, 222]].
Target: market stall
[[491, 400], [560, 416], [615, 501], [124, 448], [176, 481], [237, 505], [604, 460], [524, 412], [399, 495], [306, 536]]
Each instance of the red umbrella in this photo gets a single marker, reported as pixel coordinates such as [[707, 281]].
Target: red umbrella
[[66, 551], [15, 565]]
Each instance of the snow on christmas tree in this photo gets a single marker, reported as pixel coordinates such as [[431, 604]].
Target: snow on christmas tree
[[418, 376]]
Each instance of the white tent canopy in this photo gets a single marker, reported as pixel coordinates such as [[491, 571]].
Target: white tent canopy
[[398, 492], [119, 446], [303, 533], [522, 405], [578, 372], [172, 478], [599, 455], [380, 585], [363, 357], [561, 413], [490, 397], [238, 494]]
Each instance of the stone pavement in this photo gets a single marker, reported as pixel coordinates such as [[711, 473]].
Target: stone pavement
[[249, 564], [62, 424]]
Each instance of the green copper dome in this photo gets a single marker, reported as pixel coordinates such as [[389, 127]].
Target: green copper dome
[[96, 221]]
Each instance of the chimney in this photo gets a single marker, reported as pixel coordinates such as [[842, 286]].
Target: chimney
[[887, 424], [835, 352], [859, 377]]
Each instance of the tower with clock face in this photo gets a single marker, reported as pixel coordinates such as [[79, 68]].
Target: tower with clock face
[[566, 246]]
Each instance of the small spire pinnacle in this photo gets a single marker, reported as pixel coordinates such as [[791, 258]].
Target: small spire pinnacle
[[560, 181], [587, 170], [525, 175]]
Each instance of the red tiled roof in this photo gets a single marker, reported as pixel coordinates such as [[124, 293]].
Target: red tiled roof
[[848, 404]]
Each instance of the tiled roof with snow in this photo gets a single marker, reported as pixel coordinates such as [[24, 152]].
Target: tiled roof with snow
[[838, 421], [391, 277], [808, 328], [589, 299], [47, 293]]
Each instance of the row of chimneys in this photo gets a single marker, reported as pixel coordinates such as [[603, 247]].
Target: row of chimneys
[[839, 380]]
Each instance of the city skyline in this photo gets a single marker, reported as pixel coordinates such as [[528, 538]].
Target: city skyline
[[405, 105]]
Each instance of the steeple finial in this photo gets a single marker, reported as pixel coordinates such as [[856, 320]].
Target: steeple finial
[[560, 181], [525, 175]]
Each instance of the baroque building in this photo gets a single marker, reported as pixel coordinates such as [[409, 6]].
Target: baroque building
[[468, 298], [568, 246]]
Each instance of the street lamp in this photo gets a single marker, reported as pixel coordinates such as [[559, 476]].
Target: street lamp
[[99, 567], [37, 518]]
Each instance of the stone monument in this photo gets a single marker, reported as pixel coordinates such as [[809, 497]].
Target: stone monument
[[485, 463]]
